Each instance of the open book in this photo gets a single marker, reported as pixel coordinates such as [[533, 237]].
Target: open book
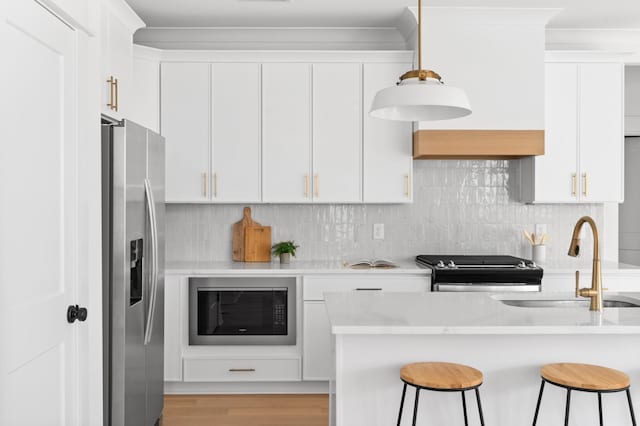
[[377, 263]]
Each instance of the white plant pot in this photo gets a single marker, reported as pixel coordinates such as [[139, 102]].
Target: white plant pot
[[285, 258]]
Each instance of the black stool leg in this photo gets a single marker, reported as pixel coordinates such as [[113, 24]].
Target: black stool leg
[[633, 416], [464, 409], [566, 410], [600, 407], [535, 416], [479, 407], [404, 391], [415, 407]]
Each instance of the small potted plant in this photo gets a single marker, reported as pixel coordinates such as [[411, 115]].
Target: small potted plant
[[284, 249]]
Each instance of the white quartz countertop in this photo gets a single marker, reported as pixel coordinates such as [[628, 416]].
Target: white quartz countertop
[[406, 266], [473, 313], [569, 265]]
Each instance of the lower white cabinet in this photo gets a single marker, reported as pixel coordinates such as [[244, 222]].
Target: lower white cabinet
[[174, 308], [316, 337], [316, 346], [241, 370]]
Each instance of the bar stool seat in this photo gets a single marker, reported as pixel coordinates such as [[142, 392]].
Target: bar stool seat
[[585, 378], [441, 377]]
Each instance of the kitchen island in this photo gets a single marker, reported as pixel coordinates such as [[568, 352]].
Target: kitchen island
[[375, 334]]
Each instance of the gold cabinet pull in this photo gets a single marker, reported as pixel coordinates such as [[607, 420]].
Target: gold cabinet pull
[[215, 184], [115, 83], [585, 181], [111, 103], [316, 186], [574, 187], [406, 185], [248, 370], [204, 184], [306, 186]]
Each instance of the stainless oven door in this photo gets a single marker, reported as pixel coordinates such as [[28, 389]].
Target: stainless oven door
[[490, 288]]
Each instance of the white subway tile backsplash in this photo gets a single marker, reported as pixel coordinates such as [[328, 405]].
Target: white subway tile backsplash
[[460, 207]]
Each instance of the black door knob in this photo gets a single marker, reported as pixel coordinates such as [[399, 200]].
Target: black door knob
[[74, 312]]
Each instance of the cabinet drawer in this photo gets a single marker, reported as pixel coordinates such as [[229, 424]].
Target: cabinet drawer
[[241, 370], [315, 287]]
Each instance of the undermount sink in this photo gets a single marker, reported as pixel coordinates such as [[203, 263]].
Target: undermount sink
[[571, 303]]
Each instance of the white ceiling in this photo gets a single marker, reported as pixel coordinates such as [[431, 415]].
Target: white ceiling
[[364, 13]]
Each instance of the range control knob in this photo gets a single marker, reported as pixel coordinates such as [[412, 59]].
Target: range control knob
[[533, 265], [451, 264], [440, 264], [522, 264]]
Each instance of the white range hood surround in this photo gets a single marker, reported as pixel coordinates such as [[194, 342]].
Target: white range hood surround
[[495, 54]]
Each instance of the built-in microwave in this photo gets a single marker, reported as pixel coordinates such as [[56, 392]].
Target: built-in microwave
[[242, 311]]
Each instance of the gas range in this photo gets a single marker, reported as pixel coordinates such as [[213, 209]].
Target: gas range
[[481, 273]]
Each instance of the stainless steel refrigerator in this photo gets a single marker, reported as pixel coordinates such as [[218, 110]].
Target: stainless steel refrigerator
[[133, 269]]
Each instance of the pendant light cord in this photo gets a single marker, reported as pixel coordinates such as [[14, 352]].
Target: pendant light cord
[[420, 36]]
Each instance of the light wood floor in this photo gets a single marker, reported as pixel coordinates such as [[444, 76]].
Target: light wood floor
[[246, 410]]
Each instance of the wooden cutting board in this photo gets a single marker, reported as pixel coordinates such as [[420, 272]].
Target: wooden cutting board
[[251, 240]]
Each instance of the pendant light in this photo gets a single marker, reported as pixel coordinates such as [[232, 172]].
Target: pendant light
[[420, 95]]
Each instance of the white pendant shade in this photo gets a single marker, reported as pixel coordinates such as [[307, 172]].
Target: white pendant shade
[[416, 100]]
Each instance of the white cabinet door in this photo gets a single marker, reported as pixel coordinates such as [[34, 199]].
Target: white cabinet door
[[388, 146], [236, 132], [337, 133], [316, 345], [42, 378], [601, 132], [184, 122], [556, 177], [172, 326], [286, 132]]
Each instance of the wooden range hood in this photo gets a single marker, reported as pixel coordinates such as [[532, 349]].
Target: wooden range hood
[[477, 144]]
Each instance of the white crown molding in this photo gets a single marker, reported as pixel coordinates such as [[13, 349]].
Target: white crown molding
[[612, 40], [125, 13], [181, 55], [234, 38], [147, 53]]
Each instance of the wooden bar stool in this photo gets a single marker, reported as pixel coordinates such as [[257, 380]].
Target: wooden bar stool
[[586, 378], [441, 377]]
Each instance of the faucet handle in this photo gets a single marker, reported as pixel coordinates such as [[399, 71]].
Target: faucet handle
[[577, 283]]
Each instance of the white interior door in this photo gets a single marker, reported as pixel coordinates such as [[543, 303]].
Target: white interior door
[[39, 237]]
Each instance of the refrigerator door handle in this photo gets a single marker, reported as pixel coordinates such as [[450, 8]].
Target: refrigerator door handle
[[151, 211]]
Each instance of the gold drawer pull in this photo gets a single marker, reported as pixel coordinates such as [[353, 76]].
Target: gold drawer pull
[[368, 289], [306, 186], [584, 184], [215, 184], [111, 103], [246, 370], [317, 186], [574, 187]]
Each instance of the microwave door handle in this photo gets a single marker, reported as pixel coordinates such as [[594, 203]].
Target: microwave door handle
[[151, 212]]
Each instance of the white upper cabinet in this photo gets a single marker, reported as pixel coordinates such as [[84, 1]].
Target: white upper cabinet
[[236, 132], [388, 164], [286, 132], [118, 22], [337, 133], [601, 132], [184, 122], [583, 160]]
